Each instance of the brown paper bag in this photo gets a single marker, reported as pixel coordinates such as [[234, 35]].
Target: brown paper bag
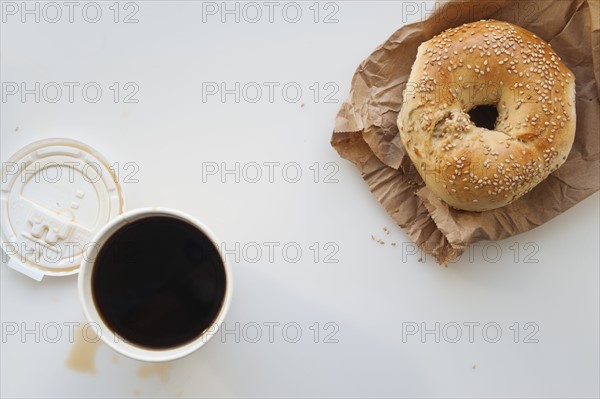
[[366, 133]]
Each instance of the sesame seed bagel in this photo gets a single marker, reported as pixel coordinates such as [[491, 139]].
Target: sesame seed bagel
[[487, 63]]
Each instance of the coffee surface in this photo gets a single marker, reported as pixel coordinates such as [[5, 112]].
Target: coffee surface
[[158, 282]]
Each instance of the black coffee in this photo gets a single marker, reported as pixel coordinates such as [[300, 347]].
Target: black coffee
[[158, 282]]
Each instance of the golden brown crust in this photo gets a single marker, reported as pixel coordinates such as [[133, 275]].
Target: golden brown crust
[[487, 63]]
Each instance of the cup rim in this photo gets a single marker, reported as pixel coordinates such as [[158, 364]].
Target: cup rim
[[92, 315]]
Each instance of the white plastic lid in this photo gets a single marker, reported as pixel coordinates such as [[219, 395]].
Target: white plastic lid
[[55, 195]]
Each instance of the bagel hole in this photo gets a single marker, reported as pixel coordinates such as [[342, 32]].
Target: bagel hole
[[484, 116]]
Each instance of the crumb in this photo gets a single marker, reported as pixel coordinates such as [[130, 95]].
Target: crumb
[[381, 242], [393, 244], [17, 129], [420, 259], [474, 366], [372, 237], [302, 105], [396, 210], [387, 231]]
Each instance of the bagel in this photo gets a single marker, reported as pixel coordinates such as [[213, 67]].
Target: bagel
[[460, 80]]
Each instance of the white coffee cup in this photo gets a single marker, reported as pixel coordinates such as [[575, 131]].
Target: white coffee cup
[[91, 311]]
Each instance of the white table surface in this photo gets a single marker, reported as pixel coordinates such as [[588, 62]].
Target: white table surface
[[371, 297]]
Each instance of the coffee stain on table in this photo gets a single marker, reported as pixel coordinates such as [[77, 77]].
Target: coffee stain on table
[[149, 369], [116, 358], [82, 357]]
